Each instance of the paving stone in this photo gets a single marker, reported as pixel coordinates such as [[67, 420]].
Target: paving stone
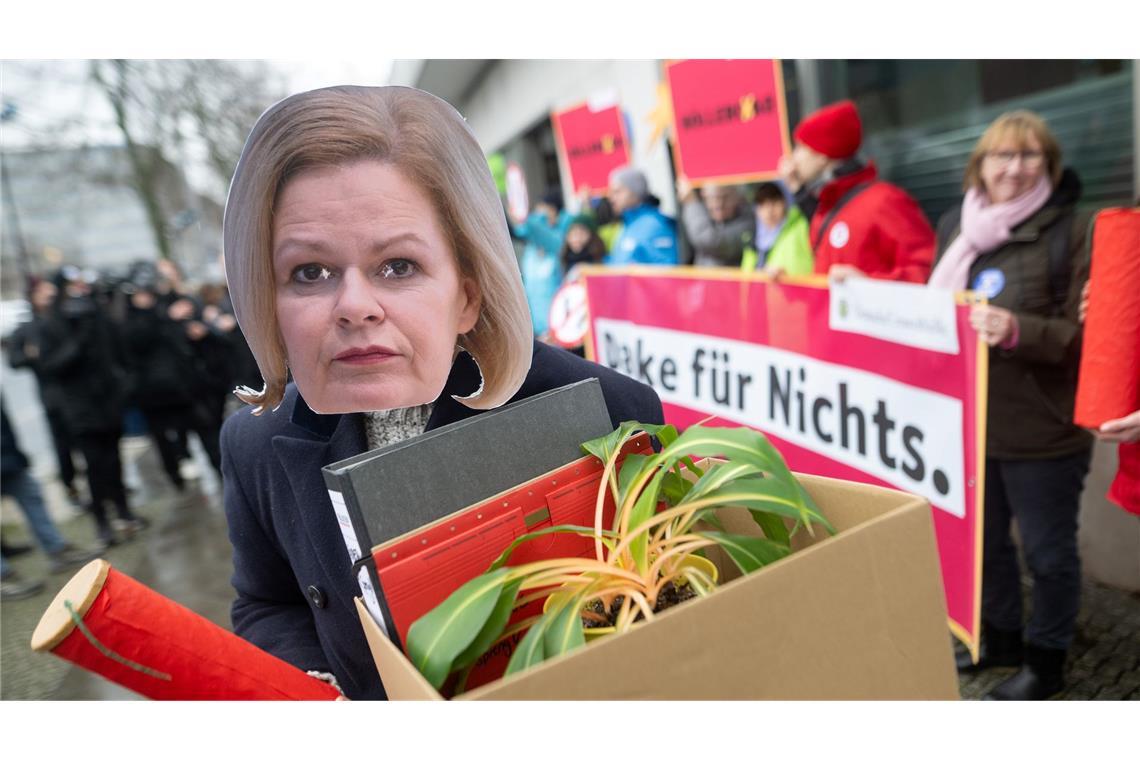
[[1081, 691], [1127, 646], [187, 536], [1109, 670], [1077, 674], [1111, 692], [1129, 682]]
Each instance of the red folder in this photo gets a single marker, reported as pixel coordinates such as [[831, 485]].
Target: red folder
[[421, 569]]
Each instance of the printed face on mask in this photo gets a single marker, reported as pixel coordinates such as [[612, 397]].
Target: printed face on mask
[[370, 299]]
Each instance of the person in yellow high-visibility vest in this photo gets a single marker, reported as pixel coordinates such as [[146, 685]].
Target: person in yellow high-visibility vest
[[780, 243]]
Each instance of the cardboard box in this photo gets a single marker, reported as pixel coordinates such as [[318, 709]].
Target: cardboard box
[[857, 615]]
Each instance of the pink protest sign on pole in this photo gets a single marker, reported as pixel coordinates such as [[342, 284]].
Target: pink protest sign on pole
[[730, 121], [591, 144]]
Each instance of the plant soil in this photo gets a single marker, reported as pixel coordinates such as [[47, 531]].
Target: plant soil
[[670, 595]]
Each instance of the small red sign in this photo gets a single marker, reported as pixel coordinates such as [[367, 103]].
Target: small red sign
[[591, 144], [730, 121]]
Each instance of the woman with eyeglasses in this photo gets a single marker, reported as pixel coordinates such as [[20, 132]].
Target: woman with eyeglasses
[[1019, 242]]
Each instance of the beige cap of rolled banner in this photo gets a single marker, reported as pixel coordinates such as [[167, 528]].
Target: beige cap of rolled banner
[[82, 591]]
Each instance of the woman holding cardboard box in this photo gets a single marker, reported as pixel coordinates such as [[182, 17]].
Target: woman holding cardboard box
[[367, 257], [1018, 240]]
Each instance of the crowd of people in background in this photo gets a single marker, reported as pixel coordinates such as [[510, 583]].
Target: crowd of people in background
[[828, 212], [1018, 238], [109, 350]]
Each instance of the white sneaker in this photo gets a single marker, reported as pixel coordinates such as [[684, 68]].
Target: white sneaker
[[188, 469]]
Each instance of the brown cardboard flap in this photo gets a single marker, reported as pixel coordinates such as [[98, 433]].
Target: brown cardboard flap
[[848, 504], [397, 674]]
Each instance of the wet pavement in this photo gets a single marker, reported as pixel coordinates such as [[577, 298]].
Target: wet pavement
[[185, 555], [1104, 662]]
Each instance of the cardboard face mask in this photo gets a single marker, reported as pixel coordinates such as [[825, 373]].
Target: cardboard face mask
[[363, 243], [370, 300]]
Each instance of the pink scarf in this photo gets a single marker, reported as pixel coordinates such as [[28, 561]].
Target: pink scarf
[[985, 226]]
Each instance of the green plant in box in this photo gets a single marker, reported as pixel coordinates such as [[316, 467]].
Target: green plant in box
[[663, 517]]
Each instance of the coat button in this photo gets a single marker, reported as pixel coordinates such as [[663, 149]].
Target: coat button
[[317, 597]]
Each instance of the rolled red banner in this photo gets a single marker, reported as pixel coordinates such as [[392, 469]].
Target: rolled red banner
[[1109, 383], [110, 624], [1125, 488]]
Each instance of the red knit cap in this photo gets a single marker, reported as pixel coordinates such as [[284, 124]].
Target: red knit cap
[[834, 130]]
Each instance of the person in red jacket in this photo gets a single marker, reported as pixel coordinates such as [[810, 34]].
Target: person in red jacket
[[860, 225]]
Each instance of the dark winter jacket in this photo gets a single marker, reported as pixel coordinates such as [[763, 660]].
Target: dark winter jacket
[[881, 230], [295, 588], [1032, 386], [12, 460], [25, 350], [82, 351], [161, 361]]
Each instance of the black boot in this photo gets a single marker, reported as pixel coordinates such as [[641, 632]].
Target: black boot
[[998, 649], [13, 550], [1042, 676]]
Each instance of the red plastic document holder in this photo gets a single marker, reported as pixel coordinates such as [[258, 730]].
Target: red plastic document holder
[[420, 570]]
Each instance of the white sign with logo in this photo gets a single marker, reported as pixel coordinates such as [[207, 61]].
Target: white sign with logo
[[989, 283], [366, 591], [839, 235], [569, 315], [901, 312], [897, 432]]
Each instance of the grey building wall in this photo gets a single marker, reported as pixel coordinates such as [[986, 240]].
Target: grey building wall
[[505, 100], [1109, 537], [76, 206]]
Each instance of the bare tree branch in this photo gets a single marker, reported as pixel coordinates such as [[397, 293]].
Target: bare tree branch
[[163, 107]]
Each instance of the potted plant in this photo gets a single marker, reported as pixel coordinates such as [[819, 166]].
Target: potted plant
[[647, 559]]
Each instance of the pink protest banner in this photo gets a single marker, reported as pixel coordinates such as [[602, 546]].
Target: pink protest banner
[[836, 397], [730, 120], [590, 144]]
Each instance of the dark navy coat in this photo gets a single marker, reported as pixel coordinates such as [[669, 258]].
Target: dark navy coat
[[294, 583]]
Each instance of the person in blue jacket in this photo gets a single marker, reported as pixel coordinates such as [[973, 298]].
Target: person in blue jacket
[[372, 273], [544, 231], [647, 236]]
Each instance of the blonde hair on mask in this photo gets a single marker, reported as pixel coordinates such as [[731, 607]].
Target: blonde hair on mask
[[432, 146]]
